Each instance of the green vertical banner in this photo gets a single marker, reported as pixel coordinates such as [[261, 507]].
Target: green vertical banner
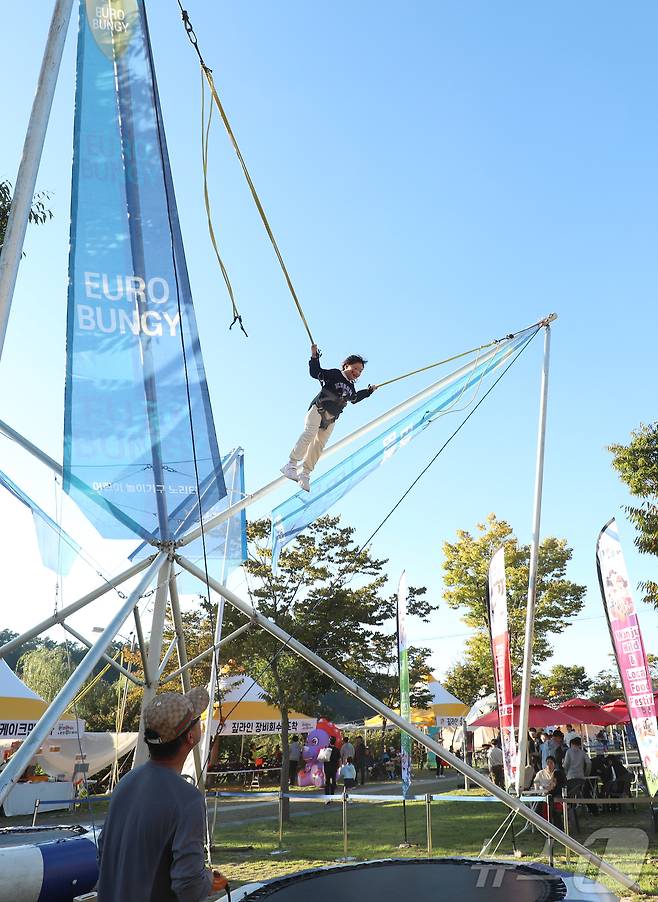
[[405, 703]]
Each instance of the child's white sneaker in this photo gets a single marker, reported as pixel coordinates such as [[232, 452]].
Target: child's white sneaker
[[304, 482], [290, 471]]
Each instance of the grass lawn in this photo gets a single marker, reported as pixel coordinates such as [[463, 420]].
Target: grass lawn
[[315, 838]]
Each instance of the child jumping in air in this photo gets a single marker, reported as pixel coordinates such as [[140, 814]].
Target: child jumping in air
[[326, 407]]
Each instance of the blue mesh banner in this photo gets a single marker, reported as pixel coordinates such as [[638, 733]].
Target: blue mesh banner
[[226, 544], [57, 549], [299, 511], [135, 380]]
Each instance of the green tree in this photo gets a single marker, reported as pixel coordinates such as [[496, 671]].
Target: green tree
[[637, 465], [39, 213], [13, 657], [563, 682], [465, 569], [329, 595], [606, 687], [47, 668]]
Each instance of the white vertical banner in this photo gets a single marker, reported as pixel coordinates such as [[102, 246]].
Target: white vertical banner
[[497, 598], [405, 701]]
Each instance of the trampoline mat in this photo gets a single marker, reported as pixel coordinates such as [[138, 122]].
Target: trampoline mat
[[435, 880]]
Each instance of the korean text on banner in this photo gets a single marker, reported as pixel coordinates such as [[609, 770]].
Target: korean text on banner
[[136, 392], [629, 649], [497, 598], [405, 700]]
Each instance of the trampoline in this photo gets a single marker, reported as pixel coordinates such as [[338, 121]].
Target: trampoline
[[429, 880]]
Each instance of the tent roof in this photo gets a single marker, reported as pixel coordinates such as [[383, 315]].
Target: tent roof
[[442, 698], [243, 699], [17, 702]]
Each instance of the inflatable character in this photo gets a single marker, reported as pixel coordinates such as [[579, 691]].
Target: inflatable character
[[312, 773]]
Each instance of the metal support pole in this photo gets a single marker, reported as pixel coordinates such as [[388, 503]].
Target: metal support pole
[[118, 667], [428, 822], [398, 410], [534, 560], [565, 824], [165, 660], [29, 166], [415, 732], [37, 803], [207, 732], [75, 606], [142, 647], [153, 657], [345, 822], [549, 839], [182, 660], [17, 764], [280, 820], [209, 651]]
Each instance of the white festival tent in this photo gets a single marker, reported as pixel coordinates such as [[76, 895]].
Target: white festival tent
[[68, 746], [243, 711]]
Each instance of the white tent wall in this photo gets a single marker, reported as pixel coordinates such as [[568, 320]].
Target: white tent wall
[[59, 756]]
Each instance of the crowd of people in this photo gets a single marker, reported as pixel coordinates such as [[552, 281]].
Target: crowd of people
[[559, 766]]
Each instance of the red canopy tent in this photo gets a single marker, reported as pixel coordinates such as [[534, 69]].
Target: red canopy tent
[[539, 715], [587, 712], [618, 709]]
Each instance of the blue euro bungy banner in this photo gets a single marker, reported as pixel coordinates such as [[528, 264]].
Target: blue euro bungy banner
[[299, 511], [57, 549], [135, 381]]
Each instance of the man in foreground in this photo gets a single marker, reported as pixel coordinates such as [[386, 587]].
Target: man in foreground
[[152, 845]]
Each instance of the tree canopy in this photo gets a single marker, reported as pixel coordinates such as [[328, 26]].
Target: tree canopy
[[465, 567], [637, 465], [39, 212], [563, 682]]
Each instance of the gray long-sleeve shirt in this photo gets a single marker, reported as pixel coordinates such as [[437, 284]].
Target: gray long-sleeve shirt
[[576, 764], [151, 847]]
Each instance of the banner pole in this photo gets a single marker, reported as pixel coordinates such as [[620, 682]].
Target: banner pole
[[28, 169], [532, 575]]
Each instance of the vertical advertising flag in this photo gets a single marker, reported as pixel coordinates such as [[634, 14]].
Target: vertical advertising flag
[[629, 649], [405, 701], [497, 599], [139, 436]]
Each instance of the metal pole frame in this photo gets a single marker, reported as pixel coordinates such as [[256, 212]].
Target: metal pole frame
[[512, 802], [209, 651], [17, 764], [154, 652], [115, 664], [61, 616], [534, 561], [182, 655], [26, 178]]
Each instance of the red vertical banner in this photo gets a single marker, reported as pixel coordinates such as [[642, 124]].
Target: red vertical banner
[[629, 649], [497, 599]]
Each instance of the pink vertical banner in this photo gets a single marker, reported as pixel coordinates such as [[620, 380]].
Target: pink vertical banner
[[497, 598], [629, 648]]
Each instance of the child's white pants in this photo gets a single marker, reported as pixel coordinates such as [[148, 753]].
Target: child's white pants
[[311, 442]]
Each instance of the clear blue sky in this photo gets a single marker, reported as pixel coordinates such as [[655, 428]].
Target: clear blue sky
[[437, 175]]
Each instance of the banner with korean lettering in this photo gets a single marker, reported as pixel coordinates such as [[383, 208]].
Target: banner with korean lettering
[[405, 699], [497, 600], [628, 646], [139, 436]]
